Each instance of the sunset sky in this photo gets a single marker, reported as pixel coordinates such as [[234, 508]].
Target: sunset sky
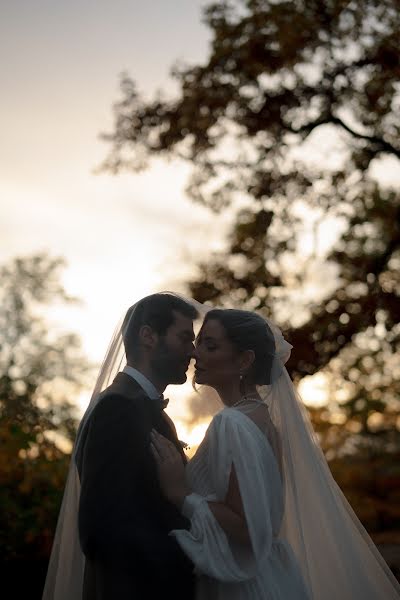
[[123, 237]]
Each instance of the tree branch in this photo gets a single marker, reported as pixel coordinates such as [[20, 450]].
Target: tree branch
[[382, 145]]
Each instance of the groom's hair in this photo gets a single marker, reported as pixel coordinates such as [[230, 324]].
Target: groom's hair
[[156, 311]]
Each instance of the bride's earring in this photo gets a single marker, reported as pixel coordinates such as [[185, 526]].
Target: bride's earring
[[241, 385]]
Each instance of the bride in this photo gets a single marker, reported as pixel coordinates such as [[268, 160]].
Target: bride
[[267, 520]]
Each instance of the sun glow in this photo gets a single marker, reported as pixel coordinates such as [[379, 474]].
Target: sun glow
[[314, 390], [192, 435]]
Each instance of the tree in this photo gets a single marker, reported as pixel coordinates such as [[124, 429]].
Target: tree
[[285, 123], [40, 376]]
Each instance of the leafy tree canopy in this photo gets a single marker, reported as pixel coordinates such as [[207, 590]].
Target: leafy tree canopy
[[287, 122]]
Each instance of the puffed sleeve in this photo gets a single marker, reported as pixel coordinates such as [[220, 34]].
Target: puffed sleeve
[[233, 441]]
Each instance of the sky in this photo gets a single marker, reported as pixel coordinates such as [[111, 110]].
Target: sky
[[123, 237]]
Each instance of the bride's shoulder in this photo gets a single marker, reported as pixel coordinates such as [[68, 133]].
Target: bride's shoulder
[[222, 415], [227, 417], [216, 422], [233, 431]]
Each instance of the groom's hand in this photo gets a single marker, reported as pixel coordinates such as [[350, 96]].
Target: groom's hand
[[170, 467]]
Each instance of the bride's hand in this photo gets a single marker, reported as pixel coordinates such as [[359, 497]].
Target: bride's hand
[[170, 467]]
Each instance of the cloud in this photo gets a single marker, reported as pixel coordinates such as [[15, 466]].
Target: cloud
[[202, 406]]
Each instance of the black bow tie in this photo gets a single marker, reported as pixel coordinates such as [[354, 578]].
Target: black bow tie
[[163, 402]]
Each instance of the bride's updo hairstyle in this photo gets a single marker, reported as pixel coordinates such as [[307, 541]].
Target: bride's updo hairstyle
[[248, 331]]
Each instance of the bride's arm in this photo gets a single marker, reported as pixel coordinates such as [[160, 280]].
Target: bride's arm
[[229, 514]]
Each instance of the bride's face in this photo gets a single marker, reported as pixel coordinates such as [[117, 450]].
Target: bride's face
[[217, 360]]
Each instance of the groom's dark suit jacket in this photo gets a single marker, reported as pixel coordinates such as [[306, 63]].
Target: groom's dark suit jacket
[[124, 519]]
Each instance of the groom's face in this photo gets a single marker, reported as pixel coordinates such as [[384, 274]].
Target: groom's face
[[174, 350]]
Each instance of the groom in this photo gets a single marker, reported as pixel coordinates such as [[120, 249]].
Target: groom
[[124, 520]]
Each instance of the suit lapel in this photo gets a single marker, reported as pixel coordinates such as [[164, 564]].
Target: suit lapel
[[125, 385]]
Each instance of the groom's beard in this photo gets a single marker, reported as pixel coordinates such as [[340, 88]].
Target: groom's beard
[[169, 366]]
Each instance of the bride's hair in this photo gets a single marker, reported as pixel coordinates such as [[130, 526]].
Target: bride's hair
[[248, 331]]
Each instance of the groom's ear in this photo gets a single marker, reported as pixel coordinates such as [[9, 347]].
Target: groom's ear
[[148, 337]]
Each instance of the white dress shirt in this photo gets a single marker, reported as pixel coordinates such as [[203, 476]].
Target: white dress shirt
[[144, 383]]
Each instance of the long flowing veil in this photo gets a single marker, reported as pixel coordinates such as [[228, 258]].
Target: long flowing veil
[[336, 555], [67, 562]]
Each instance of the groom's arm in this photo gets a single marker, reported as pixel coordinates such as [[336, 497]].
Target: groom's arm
[[118, 517]]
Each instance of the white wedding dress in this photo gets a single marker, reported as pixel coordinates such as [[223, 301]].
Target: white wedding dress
[[226, 570]]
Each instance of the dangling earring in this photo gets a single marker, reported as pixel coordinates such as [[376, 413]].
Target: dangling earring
[[241, 386]]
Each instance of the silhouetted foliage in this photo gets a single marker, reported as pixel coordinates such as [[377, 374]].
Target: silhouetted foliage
[[40, 376], [285, 122]]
